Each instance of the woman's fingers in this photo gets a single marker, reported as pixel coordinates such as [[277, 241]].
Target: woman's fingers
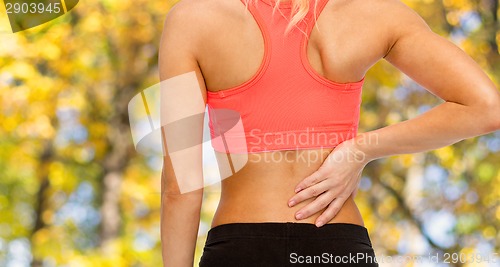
[[330, 211], [312, 179], [311, 191], [318, 204]]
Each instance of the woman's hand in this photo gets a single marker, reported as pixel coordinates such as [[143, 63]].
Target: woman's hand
[[332, 184]]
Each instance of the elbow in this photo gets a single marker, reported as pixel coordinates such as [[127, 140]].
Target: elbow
[[491, 113], [495, 124], [190, 199], [186, 201], [180, 207]]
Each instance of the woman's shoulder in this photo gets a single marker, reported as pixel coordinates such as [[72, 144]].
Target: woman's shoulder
[[202, 16], [387, 19], [198, 20], [390, 12], [204, 9]]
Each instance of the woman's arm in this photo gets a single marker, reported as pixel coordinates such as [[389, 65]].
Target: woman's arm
[[471, 108], [183, 100], [472, 102]]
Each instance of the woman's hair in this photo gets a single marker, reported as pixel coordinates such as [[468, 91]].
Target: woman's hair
[[299, 11]]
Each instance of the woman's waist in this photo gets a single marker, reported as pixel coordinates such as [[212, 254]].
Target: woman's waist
[[253, 206], [261, 189]]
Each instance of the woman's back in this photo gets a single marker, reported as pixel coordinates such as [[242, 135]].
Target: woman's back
[[229, 49], [221, 45], [351, 40]]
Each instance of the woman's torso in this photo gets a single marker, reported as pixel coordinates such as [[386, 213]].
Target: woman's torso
[[352, 39], [259, 192]]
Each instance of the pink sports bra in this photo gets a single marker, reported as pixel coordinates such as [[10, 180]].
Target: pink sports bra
[[286, 105]]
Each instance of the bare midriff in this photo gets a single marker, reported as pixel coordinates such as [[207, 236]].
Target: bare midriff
[[260, 191]]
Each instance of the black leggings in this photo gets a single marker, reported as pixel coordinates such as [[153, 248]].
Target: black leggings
[[278, 244]]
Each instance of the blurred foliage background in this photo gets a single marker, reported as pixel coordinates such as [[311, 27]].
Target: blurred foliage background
[[74, 192]]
